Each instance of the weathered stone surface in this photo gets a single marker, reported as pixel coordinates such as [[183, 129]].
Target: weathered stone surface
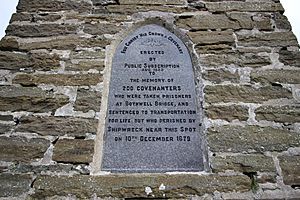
[[270, 39], [88, 100], [53, 5], [9, 43], [252, 6], [248, 21], [22, 149], [99, 17], [199, 5], [133, 186], [281, 21], [11, 60], [214, 49], [36, 17], [101, 28], [153, 2], [13, 185], [83, 54], [246, 94], [29, 99], [220, 75], [241, 60], [37, 169], [290, 166], [278, 113], [6, 118], [201, 22], [21, 17], [73, 151], [58, 79], [41, 30], [85, 65], [291, 58], [32, 61], [276, 76], [4, 128], [266, 178], [57, 126], [234, 20], [104, 2], [55, 168], [215, 37], [62, 43], [131, 9], [250, 139], [243, 163], [227, 113]]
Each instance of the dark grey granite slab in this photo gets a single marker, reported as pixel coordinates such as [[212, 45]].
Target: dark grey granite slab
[[152, 122]]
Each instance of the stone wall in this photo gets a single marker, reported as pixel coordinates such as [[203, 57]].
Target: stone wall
[[51, 81]]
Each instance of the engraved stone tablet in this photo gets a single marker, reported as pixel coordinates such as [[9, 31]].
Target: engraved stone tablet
[[152, 121]]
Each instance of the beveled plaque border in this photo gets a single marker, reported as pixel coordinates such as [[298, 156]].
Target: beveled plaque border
[[96, 168]]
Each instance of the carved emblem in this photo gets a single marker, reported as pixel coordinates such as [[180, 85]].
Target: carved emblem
[[152, 42]]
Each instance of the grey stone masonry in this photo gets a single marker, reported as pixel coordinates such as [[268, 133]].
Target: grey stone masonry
[[56, 68]]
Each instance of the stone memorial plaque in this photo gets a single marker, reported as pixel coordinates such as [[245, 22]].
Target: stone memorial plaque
[[152, 121]]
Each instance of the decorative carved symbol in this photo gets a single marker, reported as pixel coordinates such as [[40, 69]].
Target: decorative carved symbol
[[152, 42]]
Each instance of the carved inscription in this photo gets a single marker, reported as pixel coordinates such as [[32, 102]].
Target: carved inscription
[[152, 121]]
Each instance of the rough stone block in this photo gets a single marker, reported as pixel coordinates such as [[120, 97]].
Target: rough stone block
[[133, 186], [243, 163], [53, 5], [269, 39], [101, 28], [57, 168], [216, 37], [73, 151], [58, 79], [250, 21], [5, 128], [131, 9], [88, 100], [84, 54], [202, 22], [13, 185], [36, 17], [6, 117], [57, 126], [214, 49], [281, 21], [38, 169], [30, 99], [290, 166], [251, 6], [28, 62], [22, 149], [62, 43], [41, 30], [242, 60], [85, 65], [228, 113], [152, 2], [278, 113], [291, 58], [8, 43], [104, 2], [240, 139], [246, 94], [276, 76], [220, 75]]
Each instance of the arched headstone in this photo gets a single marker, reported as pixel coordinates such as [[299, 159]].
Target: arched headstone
[[152, 121]]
